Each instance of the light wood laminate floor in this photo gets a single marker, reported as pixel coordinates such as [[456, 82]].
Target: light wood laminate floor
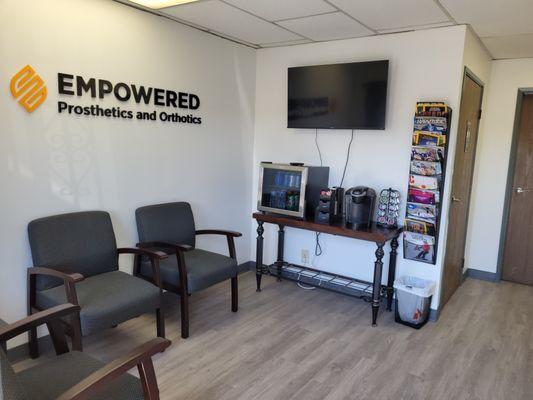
[[289, 343]]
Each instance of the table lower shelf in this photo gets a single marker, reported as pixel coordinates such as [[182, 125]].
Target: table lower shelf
[[333, 282]]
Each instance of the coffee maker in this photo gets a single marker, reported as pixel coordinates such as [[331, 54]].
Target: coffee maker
[[359, 206]]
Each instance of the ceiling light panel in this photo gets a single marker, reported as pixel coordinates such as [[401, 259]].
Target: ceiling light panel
[[157, 4]]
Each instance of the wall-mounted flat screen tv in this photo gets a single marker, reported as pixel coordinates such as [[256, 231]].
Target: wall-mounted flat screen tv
[[338, 96]]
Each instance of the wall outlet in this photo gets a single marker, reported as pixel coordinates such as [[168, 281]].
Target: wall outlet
[[305, 256]]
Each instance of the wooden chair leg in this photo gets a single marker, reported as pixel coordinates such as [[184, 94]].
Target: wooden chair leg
[[76, 333], [33, 343], [160, 317], [184, 302], [234, 294], [148, 380]]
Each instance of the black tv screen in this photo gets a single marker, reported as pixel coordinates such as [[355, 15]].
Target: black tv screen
[[338, 96]]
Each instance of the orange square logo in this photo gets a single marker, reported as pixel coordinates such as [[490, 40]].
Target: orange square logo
[[28, 88]]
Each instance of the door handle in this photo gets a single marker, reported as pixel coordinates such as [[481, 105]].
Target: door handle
[[456, 200], [522, 190]]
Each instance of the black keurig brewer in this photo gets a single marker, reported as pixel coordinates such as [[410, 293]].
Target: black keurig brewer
[[359, 206]]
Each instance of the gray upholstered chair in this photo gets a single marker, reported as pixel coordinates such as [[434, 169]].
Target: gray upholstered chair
[[76, 261], [75, 375], [170, 228]]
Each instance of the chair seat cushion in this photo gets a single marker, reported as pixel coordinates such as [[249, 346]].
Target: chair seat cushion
[[107, 299], [10, 386], [50, 379], [204, 269]]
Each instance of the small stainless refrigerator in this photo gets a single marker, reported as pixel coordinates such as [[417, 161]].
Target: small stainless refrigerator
[[291, 190]]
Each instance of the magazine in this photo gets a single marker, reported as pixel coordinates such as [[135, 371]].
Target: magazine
[[428, 139], [426, 168], [431, 124], [424, 153], [423, 196], [423, 212], [419, 247], [419, 226], [423, 182], [434, 109]]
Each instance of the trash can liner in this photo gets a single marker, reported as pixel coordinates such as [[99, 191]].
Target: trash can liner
[[413, 297], [418, 286]]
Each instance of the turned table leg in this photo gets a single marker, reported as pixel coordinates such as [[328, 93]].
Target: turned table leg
[[376, 290], [259, 255], [281, 242], [392, 272]]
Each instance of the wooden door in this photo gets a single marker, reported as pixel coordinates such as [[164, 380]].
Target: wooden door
[[518, 248], [463, 170]]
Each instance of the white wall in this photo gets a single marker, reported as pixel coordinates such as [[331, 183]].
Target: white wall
[[477, 60], [507, 76], [424, 65], [58, 163]]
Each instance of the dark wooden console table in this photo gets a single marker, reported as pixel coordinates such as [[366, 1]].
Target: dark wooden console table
[[374, 233]]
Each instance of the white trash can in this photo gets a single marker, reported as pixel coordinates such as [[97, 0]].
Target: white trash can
[[413, 299]]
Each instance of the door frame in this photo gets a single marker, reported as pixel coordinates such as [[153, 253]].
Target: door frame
[[522, 92], [467, 73]]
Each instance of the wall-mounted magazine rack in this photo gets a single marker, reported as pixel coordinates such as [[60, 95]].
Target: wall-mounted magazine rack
[[426, 181]]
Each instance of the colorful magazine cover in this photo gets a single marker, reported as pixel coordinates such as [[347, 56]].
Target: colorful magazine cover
[[426, 168], [419, 247], [423, 196], [423, 182], [428, 139], [425, 212], [419, 226], [431, 124], [432, 108], [424, 153]]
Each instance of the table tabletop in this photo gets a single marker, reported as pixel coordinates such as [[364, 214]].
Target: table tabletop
[[373, 233]]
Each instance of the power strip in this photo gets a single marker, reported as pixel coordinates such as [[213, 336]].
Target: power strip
[[336, 283]]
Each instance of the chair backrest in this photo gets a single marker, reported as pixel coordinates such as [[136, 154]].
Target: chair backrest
[[82, 242], [10, 386], [170, 222]]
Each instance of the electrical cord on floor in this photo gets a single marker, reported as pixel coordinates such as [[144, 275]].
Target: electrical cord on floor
[[317, 146], [347, 159], [318, 253], [302, 286]]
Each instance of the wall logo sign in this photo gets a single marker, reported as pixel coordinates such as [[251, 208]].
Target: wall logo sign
[[168, 105], [28, 88]]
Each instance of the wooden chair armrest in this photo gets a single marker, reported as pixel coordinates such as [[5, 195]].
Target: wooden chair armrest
[[179, 250], [40, 318], [155, 257], [143, 252], [230, 235], [218, 232], [173, 246], [140, 357], [57, 272]]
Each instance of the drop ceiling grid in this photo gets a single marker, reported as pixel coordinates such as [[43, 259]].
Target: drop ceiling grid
[[221, 17], [302, 20], [504, 26]]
